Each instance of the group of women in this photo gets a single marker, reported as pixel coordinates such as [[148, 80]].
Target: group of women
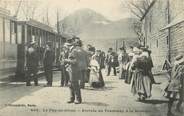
[[141, 73], [138, 73]]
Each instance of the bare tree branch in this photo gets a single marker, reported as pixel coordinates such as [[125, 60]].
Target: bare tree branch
[[140, 9], [136, 14]]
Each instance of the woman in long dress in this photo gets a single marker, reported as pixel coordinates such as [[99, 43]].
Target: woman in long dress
[[96, 77], [141, 83], [123, 60], [175, 89], [129, 71]]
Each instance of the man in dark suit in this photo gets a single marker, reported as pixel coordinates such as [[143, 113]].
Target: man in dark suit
[[83, 61], [48, 64], [111, 61], [74, 73], [32, 64]]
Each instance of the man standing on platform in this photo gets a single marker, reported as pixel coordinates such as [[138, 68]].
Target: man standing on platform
[[74, 73], [32, 64], [48, 64], [111, 61], [83, 61]]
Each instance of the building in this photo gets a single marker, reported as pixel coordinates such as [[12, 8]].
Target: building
[[163, 31]]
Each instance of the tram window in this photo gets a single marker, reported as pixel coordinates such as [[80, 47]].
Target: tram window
[[13, 33], [7, 31], [40, 41], [1, 38], [33, 38], [19, 34], [1, 29]]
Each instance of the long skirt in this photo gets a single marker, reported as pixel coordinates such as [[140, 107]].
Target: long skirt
[[96, 79], [122, 72], [129, 73], [141, 84]]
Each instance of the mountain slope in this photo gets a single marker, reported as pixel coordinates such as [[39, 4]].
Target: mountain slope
[[94, 28]]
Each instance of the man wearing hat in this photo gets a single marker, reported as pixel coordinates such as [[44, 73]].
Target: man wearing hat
[[174, 91], [48, 63], [32, 64], [83, 61], [111, 61], [74, 73]]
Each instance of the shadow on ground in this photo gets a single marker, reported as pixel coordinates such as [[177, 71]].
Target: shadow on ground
[[100, 89], [95, 104], [155, 101]]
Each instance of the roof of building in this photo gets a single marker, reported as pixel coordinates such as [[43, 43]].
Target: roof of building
[[177, 20]]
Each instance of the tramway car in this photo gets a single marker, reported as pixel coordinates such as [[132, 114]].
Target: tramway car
[[28, 31], [15, 36]]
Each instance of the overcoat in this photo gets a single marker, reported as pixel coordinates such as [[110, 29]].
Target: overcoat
[[73, 68]]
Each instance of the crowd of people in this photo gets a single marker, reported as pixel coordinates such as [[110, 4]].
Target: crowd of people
[[136, 68], [79, 66]]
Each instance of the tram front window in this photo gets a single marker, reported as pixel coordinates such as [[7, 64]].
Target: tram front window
[[7, 31], [1, 37], [19, 34]]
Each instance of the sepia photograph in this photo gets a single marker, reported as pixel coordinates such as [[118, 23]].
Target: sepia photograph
[[91, 57]]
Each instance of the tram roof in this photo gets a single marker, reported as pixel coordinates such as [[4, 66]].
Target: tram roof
[[6, 14], [39, 25]]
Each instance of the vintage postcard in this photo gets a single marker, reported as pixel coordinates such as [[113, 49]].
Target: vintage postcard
[[91, 57]]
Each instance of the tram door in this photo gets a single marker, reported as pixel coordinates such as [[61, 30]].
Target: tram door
[[20, 73]]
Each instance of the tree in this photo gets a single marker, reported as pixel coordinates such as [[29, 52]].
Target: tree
[[139, 8], [60, 15], [21, 9], [29, 8]]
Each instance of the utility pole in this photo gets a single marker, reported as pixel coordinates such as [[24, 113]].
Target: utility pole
[[58, 27], [169, 31]]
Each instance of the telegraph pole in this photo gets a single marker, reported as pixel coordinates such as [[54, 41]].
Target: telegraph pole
[[169, 31]]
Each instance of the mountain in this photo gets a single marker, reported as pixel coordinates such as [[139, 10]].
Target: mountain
[[92, 27], [77, 21]]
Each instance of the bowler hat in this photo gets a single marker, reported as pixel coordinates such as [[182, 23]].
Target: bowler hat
[[122, 48], [179, 59], [70, 41], [75, 38], [110, 49]]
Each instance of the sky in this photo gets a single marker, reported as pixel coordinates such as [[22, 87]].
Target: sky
[[111, 9]]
